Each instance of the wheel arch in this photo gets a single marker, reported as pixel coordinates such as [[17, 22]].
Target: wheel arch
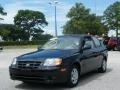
[[105, 58], [78, 66]]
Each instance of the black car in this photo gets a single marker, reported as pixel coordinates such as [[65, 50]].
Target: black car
[[61, 60]]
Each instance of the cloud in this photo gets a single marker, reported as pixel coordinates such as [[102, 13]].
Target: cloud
[[62, 10], [13, 8], [38, 5]]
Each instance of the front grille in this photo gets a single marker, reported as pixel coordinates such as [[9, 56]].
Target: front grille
[[28, 64]]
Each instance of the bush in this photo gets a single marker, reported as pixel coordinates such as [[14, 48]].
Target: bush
[[42, 37], [16, 43]]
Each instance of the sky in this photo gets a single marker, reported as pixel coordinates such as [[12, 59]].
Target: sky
[[63, 7]]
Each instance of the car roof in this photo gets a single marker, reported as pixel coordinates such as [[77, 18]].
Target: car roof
[[75, 35]]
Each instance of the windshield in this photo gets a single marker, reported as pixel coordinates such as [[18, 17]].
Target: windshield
[[62, 43]]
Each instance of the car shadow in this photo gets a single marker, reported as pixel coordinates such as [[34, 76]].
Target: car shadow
[[39, 86], [91, 76], [85, 79]]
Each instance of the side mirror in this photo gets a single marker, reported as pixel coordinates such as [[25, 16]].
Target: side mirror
[[39, 48], [87, 47], [105, 43]]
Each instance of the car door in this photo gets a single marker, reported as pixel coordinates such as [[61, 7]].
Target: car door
[[88, 56], [98, 52]]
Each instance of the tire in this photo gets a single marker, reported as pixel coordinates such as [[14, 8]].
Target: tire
[[74, 76], [27, 82], [109, 49], [103, 67], [115, 48]]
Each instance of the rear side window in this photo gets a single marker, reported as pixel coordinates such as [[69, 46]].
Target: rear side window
[[102, 43], [97, 42]]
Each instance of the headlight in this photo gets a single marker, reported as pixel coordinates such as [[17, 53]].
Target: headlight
[[52, 62], [14, 61]]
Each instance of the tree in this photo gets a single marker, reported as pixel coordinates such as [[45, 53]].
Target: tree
[[43, 37], [111, 16], [30, 22], [8, 32], [82, 21], [2, 12]]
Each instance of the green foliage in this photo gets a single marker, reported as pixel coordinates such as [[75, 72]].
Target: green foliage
[[82, 21], [112, 16], [11, 33], [16, 43], [2, 12], [5, 30], [30, 22], [42, 37]]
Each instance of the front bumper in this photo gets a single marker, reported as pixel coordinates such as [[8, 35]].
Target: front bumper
[[43, 76]]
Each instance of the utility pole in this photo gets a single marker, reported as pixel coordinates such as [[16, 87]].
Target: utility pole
[[55, 6]]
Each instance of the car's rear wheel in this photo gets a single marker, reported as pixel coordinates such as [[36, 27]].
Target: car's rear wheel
[[103, 67], [74, 76], [27, 82], [115, 48]]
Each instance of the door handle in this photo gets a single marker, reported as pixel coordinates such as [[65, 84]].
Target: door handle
[[95, 55]]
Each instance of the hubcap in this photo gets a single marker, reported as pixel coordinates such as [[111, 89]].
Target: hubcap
[[104, 65], [115, 48], [74, 76]]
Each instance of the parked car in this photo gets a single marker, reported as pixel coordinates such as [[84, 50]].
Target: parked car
[[1, 48], [113, 43], [62, 59], [118, 46]]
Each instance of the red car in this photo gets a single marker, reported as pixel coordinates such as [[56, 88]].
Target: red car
[[112, 43]]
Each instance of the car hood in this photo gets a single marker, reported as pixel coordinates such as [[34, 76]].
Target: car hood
[[36, 55]]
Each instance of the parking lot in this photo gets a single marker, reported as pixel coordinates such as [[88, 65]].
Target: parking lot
[[91, 81]]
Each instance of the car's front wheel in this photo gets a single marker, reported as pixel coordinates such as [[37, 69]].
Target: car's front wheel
[[28, 82], [103, 67], [74, 76]]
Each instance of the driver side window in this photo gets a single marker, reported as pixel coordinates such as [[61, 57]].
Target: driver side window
[[89, 42]]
